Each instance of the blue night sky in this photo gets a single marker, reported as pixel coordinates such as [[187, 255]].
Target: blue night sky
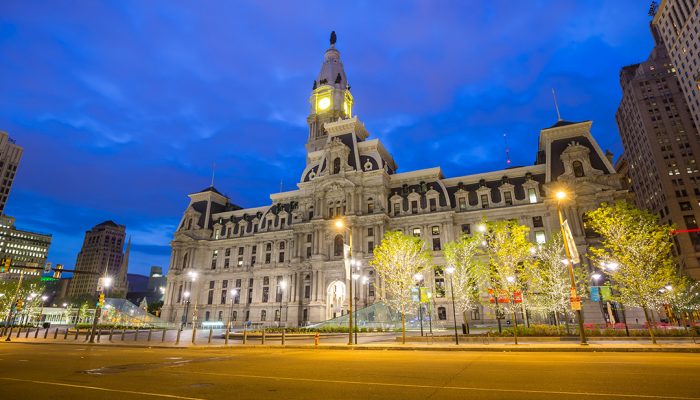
[[123, 106]]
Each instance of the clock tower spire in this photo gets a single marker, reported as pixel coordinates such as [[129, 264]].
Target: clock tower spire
[[330, 97]]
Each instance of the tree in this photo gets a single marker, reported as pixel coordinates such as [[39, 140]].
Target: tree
[[29, 286], [508, 251], [637, 252], [397, 259], [683, 297], [548, 279], [467, 277]]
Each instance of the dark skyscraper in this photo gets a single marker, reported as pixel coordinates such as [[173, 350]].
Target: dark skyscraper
[[102, 248], [662, 144]]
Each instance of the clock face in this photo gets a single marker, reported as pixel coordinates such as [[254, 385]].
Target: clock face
[[324, 103]]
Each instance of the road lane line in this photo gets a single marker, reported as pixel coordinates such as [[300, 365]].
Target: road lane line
[[169, 396], [481, 389]]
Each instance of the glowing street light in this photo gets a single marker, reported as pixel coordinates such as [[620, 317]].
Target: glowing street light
[[481, 228], [451, 270], [561, 196]]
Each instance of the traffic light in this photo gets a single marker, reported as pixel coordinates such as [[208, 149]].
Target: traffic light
[[47, 267], [20, 304], [5, 265], [57, 271], [101, 300]]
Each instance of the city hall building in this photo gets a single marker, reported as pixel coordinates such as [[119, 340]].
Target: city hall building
[[284, 260]]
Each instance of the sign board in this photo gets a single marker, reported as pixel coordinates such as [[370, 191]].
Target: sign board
[[595, 293], [424, 296], [47, 267], [606, 293], [518, 297], [347, 254], [573, 251], [502, 296], [576, 303]]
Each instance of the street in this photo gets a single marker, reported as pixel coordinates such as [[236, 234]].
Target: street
[[41, 371]]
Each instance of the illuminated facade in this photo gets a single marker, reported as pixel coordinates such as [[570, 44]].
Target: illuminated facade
[[284, 260], [23, 248]]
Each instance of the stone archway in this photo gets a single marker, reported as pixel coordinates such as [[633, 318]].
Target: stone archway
[[335, 299]]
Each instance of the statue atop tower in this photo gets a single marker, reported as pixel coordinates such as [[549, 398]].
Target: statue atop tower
[[334, 38]]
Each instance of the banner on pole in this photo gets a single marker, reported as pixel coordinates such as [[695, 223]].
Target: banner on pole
[[573, 251], [595, 293]]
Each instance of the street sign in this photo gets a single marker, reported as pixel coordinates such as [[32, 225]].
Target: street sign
[[47, 267], [573, 251], [518, 297], [576, 304]]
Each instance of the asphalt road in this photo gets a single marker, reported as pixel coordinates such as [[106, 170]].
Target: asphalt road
[[40, 371]]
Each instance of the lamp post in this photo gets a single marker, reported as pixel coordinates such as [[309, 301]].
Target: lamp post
[[596, 277], [193, 277], [106, 282], [450, 270], [282, 285], [419, 279], [355, 277], [186, 295], [234, 293], [341, 225], [41, 311], [561, 196]]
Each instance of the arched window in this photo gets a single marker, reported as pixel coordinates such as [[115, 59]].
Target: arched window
[[578, 169], [338, 245], [442, 313], [336, 166], [235, 315], [263, 315]]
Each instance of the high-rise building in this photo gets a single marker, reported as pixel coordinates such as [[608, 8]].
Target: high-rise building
[[678, 23], [662, 146], [22, 248], [283, 262], [101, 253], [10, 154]]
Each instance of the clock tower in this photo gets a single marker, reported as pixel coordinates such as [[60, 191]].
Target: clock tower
[[330, 97]]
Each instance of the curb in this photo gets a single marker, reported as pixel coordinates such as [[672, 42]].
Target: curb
[[521, 348]]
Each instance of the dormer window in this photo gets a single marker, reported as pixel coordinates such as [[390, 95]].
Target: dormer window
[[532, 195], [508, 198], [397, 208], [336, 166], [462, 204], [578, 169], [484, 201]]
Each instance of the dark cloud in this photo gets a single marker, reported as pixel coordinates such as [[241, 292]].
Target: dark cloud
[[123, 107]]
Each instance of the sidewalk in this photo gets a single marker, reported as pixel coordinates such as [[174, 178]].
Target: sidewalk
[[594, 346]]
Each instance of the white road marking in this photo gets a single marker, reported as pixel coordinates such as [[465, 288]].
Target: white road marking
[[169, 396], [481, 389]]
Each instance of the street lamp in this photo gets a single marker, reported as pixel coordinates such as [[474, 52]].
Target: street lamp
[[596, 277], [234, 293], [355, 277], [186, 295], [450, 270], [282, 286], [193, 277], [43, 302], [418, 277], [340, 224], [561, 196]]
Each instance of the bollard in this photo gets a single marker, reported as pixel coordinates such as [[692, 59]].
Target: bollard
[[36, 334], [245, 335], [26, 335], [65, 334], [163, 338], [262, 341], [136, 335], [55, 334], [46, 333], [211, 330], [149, 334], [317, 338], [123, 333], [111, 332], [228, 328], [77, 333], [177, 338], [194, 332], [99, 334], [19, 330], [284, 334]]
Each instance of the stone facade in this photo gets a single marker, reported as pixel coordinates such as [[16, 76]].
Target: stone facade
[[350, 176]]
